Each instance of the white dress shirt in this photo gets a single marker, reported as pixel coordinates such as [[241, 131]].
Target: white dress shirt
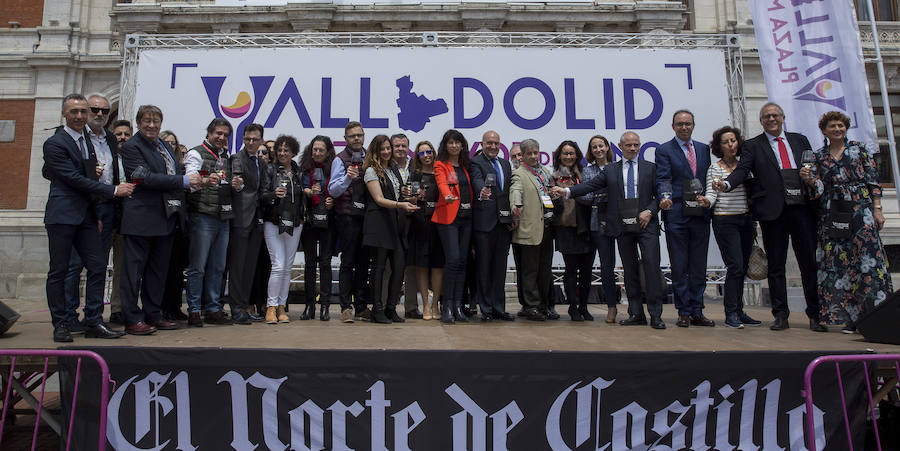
[[104, 155], [625, 177], [774, 145]]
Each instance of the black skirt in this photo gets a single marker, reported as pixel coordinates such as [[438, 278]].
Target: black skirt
[[425, 249]]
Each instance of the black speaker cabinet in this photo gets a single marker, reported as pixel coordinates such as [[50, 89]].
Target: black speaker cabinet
[[8, 317], [882, 324]]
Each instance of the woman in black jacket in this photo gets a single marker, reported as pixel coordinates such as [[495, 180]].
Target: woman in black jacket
[[283, 202], [571, 228], [318, 235], [384, 228]]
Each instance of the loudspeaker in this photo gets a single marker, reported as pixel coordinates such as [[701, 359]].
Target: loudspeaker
[[8, 317], [879, 325]]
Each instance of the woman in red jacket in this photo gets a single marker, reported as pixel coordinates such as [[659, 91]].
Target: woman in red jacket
[[453, 216]]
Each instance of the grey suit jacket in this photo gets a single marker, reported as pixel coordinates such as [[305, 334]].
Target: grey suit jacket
[[246, 202]]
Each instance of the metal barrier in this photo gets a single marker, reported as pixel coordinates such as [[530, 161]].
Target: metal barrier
[[888, 380], [24, 377]]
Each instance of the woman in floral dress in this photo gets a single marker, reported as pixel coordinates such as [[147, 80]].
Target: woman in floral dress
[[852, 272]]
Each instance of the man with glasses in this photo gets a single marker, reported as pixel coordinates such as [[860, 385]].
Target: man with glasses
[[784, 207], [491, 227], [348, 190], [209, 215], [400, 147], [678, 162], [246, 238], [108, 211]]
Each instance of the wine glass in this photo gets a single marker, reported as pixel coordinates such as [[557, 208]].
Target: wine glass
[[565, 176], [665, 190], [284, 179], [808, 160], [317, 177], [220, 168], [237, 168], [452, 179], [138, 175], [490, 181], [356, 159], [696, 187]]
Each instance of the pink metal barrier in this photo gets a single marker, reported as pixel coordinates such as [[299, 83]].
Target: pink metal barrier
[[884, 382], [39, 364]]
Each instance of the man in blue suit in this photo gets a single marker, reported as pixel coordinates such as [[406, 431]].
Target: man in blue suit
[[678, 162], [71, 221]]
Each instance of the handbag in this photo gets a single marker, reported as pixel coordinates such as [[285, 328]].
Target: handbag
[[758, 264]]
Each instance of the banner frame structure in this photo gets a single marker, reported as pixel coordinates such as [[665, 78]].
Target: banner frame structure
[[730, 44]]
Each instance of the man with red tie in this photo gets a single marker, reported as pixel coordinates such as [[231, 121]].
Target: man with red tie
[[784, 208]]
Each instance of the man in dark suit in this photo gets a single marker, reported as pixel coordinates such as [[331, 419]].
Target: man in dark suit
[[148, 221], [108, 211], [246, 238], [687, 224], [631, 218], [784, 208], [491, 227], [71, 220]]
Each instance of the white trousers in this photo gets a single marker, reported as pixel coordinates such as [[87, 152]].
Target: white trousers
[[282, 249]]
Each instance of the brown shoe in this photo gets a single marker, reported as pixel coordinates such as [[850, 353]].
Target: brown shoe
[[271, 318], [217, 318], [140, 328], [282, 316], [164, 324], [347, 316], [611, 315], [701, 320], [195, 320], [683, 321]]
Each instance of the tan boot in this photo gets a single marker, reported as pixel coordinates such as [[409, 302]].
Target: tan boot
[[270, 315], [611, 315], [282, 316]]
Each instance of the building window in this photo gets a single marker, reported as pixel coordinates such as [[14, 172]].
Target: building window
[[883, 158], [885, 10]]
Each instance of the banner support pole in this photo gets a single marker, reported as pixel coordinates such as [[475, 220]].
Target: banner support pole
[[888, 120]]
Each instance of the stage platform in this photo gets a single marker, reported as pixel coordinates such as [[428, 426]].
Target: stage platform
[[33, 330]]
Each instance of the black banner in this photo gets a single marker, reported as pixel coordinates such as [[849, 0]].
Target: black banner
[[244, 399]]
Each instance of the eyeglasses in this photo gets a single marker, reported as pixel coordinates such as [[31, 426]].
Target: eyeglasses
[[358, 135], [96, 110], [250, 139], [771, 116], [423, 153]]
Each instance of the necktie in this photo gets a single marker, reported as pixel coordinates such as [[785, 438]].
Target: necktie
[[692, 158], [496, 165], [629, 190], [783, 153], [84, 151], [170, 168], [254, 166]]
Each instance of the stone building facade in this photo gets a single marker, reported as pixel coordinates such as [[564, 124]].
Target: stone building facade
[[49, 48]]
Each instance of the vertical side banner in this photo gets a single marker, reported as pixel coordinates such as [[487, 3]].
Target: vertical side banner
[[812, 62]]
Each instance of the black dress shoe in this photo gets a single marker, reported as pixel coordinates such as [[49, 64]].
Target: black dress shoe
[[175, 315], [634, 320], [309, 312], [585, 314], [780, 324], [413, 314], [76, 327], [486, 318], [255, 318], [393, 316], [551, 313], [536, 315], [460, 316], [117, 318], [242, 318], [469, 312], [523, 313], [447, 314], [62, 335], [324, 314], [683, 321], [657, 322], [575, 315], [816, 326], [703, 321], [503, 316], [379, 317], [101, 331]]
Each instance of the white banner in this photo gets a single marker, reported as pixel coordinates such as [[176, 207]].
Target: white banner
[[378, 2], [812, 63], [547, 94]]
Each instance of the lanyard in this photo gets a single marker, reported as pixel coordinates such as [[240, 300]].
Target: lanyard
[[210, 150], [540, 178]]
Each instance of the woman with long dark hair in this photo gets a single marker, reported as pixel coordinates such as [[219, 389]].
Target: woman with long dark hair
[[453, 216], [425, 252], [283, 202], [384, 226], [599, 155], [318, 235], [571, 228]]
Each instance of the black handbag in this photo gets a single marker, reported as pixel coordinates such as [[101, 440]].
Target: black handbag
[[629, 216], [839, 219]]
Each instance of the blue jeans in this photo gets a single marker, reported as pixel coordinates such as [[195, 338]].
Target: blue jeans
[[455, 240], [106, 214], [206, 262]]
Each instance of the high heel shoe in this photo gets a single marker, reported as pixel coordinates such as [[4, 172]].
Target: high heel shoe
[[426, 311]]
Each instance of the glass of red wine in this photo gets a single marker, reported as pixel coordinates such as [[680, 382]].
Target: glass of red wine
[[317, 176], [356, 159], [452, 179], [565, 176], [138, 175], [490, 181]]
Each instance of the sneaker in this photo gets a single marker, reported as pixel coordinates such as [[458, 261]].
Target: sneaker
[[748, 321], [347, 316], [850, 328], [733, 321], [364, 315]]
